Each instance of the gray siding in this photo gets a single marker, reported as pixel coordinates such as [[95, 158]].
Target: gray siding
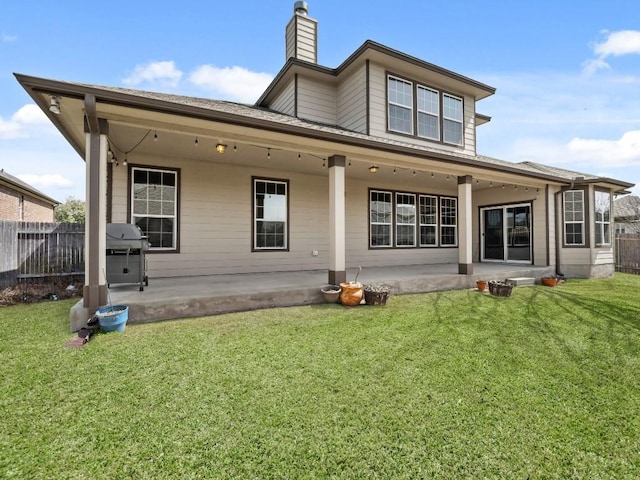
[[352, 102], [285, 101], [316, 101], [300, 37]]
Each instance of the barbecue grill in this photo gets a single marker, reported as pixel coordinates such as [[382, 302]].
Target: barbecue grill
[[126, 249]]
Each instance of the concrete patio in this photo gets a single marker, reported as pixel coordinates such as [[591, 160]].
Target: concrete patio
[[174, 298]]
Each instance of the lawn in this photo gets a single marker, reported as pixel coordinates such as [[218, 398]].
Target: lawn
[[544, 384]]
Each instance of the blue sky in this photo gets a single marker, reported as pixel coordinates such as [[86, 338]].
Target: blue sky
[[567, 73]]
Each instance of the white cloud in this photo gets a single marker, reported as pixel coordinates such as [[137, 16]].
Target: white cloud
[[155, 73], [623, 42], [22, 122], [46, 181], [9, 38], [233, 83], [622, 152]]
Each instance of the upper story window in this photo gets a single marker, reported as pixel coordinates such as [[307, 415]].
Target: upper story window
[[154, 205], [603, 218], [270, 214], [573, 217], [400, 94], [428, 113], [452, 119], [415, 109]]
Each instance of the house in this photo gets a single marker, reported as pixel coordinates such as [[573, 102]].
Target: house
[[627, 214], [370, 163], [20, 202]]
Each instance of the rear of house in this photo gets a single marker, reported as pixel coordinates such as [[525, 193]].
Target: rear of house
[[372, 163]]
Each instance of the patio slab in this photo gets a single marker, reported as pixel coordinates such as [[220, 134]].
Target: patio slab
[[183, 297]]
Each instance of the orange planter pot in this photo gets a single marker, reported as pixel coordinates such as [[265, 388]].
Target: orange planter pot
[[482, 285], [351, 294], [549, 281]]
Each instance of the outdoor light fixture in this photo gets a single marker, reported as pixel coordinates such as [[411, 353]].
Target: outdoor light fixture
[[221, 148], [373, 169], [54, 106]]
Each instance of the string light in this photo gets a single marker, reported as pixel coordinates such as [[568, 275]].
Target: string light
[[431, 174], [324, 163], [234, 147], [124, 162], [414, 172], [268, 153], [394, 170], [298, 155], [155, 135], [196, 142]]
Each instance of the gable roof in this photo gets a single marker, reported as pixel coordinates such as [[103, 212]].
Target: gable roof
[[19, 185], [259, 117]]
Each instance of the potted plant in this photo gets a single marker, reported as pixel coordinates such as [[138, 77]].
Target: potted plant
[[376, 294], [481, 285], [549, 281], [331, 293], [352, 292]]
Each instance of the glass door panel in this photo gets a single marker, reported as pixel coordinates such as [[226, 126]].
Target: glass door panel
[[494, 234], [519, 233]]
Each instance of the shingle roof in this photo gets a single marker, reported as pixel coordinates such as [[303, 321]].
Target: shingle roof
[[627, 207], [25, 186]]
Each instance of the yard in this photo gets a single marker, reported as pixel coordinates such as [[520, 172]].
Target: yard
[[544, 384]]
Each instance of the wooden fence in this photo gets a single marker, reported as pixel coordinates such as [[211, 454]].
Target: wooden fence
[[35, 252], [628, 253]]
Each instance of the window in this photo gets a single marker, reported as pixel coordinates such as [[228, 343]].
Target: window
[[405, 220], [400, 94], [428, 220], [574, 217], [270, 214], [448, 221], [380, 218], [154, 205], [417, 220], [428, 113], [439, 116], [603, 218], [452, 119]]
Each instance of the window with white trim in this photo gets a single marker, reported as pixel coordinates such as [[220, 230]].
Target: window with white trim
[[448, 221], [428, 113], [452, 119], [380, 218], [428, 214], [405, 220], [602, 203], [400, 112], [573, 201], [270, 214], [154, 205]]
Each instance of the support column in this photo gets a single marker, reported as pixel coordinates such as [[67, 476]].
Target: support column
[[96, 131], [337, 220], [465, 222]]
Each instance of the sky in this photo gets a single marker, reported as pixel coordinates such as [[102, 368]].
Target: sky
[[566, 73]]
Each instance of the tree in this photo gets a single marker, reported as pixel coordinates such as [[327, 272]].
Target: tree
[[71, 211]]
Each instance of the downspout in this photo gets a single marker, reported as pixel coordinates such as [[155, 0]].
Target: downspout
[[559, 230]]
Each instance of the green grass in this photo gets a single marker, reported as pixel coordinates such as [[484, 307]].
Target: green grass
[[544, 384]]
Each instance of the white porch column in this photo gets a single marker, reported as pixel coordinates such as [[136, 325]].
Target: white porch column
[[337, 221], [465, 222], [96, 130]]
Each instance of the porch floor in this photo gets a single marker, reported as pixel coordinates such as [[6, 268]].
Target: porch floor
[[182, 297]]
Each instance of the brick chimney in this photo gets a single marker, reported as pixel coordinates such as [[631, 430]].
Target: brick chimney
[[302, 35]]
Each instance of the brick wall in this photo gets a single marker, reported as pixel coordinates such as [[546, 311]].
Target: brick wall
[[33, 209]]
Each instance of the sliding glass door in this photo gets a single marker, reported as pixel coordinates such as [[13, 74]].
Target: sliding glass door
[[506, 233]]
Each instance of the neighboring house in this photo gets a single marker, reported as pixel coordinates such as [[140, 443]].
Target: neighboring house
[[372, 163], [21, 202], [627, 214]]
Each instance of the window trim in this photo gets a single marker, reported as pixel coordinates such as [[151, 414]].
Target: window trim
[[415, 112], [411, 108], [437, 116], [130, 199], [461, 122], [442, 225], [434, 225], [583, 222], [287, 238], [393, 225], [601, 223]]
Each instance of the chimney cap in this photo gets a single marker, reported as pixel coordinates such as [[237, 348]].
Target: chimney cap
[[301, 8]]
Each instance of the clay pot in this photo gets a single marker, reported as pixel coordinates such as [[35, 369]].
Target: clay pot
[[351, 294], [331, 293], [549, 281], [481, 285]]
